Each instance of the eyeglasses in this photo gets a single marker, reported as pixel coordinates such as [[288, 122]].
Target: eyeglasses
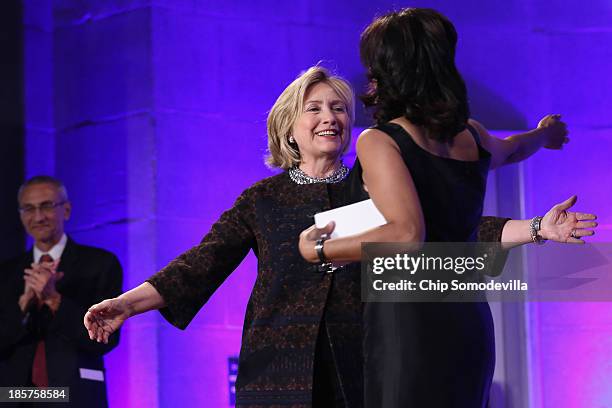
[[46, 207]]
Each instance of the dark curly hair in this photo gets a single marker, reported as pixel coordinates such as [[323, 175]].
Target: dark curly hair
[[410, 58]]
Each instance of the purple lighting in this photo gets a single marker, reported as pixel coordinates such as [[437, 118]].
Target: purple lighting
[[153, 113]]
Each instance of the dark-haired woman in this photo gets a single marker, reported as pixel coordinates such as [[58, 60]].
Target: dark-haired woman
[[425, 165]]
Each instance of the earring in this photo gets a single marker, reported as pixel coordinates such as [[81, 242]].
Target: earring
[[291, 140]]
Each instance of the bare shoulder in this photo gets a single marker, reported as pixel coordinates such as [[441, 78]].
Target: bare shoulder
[[371, 133], [482, 131], [374, 138], [476, 124]]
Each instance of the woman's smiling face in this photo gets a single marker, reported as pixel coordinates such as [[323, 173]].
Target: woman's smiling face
[[321, 128]]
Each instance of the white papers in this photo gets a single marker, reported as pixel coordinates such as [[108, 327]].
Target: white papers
[[351, 219], [89, 374]]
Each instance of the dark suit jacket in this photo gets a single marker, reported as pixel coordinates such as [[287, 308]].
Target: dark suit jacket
[[90, 275]]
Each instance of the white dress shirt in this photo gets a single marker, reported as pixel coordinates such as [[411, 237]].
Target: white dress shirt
[[55, 252]]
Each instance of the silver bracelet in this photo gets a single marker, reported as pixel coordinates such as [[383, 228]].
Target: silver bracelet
[[534, 229]]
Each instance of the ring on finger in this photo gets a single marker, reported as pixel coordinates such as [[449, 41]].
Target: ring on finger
[[573, 234]]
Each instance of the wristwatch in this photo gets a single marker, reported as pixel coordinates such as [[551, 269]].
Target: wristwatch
[[325, 266], [319, 250]]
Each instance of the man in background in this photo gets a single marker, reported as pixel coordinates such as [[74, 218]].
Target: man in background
[[44, 294]]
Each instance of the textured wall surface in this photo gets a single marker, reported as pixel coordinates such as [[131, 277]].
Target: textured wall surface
[[153, 113]]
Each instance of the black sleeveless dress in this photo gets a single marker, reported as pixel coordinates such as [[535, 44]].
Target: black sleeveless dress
[[432, 354]]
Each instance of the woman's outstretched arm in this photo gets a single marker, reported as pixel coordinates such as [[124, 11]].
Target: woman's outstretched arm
[[104, 318], [558, 224], [551, 133]]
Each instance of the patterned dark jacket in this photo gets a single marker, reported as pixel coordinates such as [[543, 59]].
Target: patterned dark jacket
[[289, 297]]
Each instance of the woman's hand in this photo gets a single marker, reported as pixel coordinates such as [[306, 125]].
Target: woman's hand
[[104, 318], [556, 131], [308, 239], [565, 226]]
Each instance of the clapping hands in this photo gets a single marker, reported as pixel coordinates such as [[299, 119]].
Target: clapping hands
[[40, 280]]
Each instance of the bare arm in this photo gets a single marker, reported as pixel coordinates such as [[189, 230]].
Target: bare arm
[[392, 189], [142, 299], [104, 318], [551, 133], [558, 224]]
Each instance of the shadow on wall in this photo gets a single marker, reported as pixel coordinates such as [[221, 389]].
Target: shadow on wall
[[498, 398], [492, 110], [12, 125]]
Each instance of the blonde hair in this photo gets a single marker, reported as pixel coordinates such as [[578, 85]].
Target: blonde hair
[[288, 108]]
